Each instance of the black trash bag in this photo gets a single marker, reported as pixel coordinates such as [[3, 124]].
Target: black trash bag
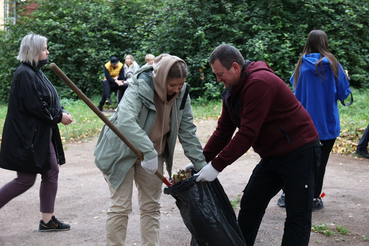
[[206, 212]]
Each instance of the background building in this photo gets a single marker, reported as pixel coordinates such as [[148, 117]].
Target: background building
[[8, 7]]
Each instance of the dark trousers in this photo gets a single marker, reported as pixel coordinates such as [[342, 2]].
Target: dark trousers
[[24, 181], [327, 146], [294, 172], [109, 87], [363, 144]]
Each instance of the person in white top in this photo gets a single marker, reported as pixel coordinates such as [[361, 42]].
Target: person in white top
[[130, 67]]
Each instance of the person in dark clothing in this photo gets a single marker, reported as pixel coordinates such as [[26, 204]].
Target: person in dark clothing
[[271, 121], [362, 147], [114, 80], [31, 142]]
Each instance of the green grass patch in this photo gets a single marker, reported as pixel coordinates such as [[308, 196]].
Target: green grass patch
[[323, 229], [235, 203], [330, 230], [342, 230], [208, 110]]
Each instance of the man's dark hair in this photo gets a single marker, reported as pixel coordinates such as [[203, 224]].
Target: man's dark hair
[[227, 54]]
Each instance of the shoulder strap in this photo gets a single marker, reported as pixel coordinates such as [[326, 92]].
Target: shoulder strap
[[348, 104], [185, 97]]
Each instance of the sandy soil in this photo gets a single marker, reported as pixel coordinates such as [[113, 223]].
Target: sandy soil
[[83, 199]]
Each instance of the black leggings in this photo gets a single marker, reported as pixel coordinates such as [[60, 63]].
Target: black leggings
[[326, 150]]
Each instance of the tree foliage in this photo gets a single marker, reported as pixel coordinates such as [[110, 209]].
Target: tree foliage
[[84, 34]]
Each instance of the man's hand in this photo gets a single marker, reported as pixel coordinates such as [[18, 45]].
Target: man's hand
[[150, 166], [66, 119], [119, 82], [207, 173]]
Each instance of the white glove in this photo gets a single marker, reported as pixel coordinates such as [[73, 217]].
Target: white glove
[[207, 173], [150, 166], [189, 167]]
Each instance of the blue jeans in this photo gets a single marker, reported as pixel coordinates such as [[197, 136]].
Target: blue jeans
[[295, 172]]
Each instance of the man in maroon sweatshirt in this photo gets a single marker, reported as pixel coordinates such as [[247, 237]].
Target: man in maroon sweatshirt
[[269, 119]]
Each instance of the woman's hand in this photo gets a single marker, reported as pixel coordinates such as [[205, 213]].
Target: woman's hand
[[66, 119]]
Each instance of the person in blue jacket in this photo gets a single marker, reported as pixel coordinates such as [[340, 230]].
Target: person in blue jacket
[[319, 81]]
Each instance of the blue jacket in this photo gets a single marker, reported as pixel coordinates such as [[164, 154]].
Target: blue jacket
[[319, 94]]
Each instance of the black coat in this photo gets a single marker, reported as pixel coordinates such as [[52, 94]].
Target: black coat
[[33, 110]]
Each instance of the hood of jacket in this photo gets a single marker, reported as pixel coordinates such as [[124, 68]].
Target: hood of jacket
[[247, 70], [311, 59], [162, 65]]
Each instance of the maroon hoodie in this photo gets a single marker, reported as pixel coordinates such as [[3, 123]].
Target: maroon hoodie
[[268, 117]]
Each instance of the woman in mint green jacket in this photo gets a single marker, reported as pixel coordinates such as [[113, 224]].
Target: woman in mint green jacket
[[152, 113]]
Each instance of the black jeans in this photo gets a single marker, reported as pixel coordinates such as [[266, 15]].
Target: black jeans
[[295, 172], [109, 87]]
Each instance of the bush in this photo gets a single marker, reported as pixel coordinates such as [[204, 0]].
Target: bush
[[84, 34]]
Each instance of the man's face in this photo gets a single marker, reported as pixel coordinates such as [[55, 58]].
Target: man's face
[[114, 65], [227, 77]]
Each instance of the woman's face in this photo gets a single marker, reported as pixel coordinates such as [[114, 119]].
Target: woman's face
[[44, 53], [174, 86], [128, 61]]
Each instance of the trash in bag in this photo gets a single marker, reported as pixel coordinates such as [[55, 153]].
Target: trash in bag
[[206, 212]]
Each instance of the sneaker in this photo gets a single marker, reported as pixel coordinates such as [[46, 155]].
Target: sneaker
[[53, 225], [317, 204], [100, 107], [282, 201], [108, 101], [362, 153]]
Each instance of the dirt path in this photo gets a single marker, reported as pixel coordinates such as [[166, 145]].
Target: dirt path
[[83, 199]]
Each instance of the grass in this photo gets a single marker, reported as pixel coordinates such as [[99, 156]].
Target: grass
[[354, 119], [323, 229], [330, 230], [235, 203]]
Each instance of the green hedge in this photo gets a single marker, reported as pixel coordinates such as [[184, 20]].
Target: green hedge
[[84, 34]]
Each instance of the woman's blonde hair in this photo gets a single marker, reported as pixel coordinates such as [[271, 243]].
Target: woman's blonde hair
[[149, 57], [30, 48]]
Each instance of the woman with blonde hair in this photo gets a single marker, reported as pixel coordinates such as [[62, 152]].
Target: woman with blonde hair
[[31, 142], [130, 67]]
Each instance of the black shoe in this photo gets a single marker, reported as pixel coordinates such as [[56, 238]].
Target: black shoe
[[282, 201], [108, 101], [100, 107], [53, 225], [317, 204], [362, 153]]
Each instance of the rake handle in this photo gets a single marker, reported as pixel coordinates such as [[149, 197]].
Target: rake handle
[[92, 106]]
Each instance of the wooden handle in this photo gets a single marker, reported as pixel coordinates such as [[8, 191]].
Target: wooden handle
[[92, 106], [82, 96]]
